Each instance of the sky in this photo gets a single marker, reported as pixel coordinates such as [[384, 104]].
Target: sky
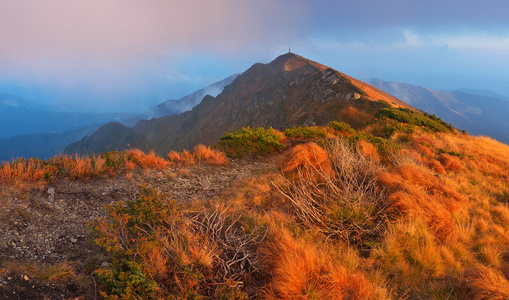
[[128, 55]]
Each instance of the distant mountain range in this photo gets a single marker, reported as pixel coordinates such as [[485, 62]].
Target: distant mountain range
[[41, 145], [289, 91], [20, 116], [8, 100], [31, 129], [477, 112]]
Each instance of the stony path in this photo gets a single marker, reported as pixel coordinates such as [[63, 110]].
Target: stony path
[[49, 225]]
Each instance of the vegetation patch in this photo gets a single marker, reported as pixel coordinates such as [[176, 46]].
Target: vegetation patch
[[408, 116], [341, 127], [355, 216], [384, 146], [159, 252], [251, 141], [306, 132]]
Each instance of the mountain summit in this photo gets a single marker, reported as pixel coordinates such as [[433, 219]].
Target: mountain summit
[[289, 91]]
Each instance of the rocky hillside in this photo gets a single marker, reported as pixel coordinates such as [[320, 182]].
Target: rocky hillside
[[289, 91]]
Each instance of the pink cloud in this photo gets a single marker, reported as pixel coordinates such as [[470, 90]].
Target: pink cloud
[[125, 29]]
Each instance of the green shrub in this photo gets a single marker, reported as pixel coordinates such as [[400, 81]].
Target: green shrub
[[412, 117], [453, 153], [251, 141], [341, 126], [158, 251], [131, 233], [306, 132], [384, 146], [396, 127]]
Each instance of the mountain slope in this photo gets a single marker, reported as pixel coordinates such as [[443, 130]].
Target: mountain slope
[[175, 107], [477, 114], [289, 91]]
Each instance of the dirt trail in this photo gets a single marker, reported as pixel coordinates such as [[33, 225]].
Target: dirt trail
[[49, 225]]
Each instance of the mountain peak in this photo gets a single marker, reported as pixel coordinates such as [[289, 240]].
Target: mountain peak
[[291, 61], [289, 91]]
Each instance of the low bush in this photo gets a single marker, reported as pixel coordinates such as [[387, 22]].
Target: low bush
[[393, 127], [347, 204], [251, 141], [306, 132], [341, 127], [408, 116], [159, 252]]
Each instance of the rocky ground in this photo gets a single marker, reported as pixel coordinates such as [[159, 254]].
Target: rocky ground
[[48, 225]]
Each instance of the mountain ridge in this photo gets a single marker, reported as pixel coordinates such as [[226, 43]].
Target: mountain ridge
[[477, 114], [289, 91], [175, 107]]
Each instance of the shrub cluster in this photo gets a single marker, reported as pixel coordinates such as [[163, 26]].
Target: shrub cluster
[[406, 115], [251, 141], [346, 203], [341, 127], [158, 252], [306, 132]]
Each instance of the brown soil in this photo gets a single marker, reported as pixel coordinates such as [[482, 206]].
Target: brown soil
[[48, 225]]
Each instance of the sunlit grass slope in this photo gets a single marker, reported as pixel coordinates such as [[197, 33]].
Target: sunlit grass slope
[[405, 208]]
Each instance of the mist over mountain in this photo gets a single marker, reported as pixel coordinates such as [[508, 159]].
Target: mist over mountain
[[13, 101], [19, 116], [32, 129], [475, 111], [484, 93], [289, 91], [40, 145], [175, 107], [40, 130]]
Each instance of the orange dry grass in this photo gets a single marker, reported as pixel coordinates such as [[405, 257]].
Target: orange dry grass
[[486, 284], [150, 160], [157, 261], [423, 144], [368, 150], [210, 156], [436, 166], [185, 158], [450, 162], [22, 171], [58, 273], [307, 161], [414, 191], [485, 162], [75, 166], [303, 271]]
